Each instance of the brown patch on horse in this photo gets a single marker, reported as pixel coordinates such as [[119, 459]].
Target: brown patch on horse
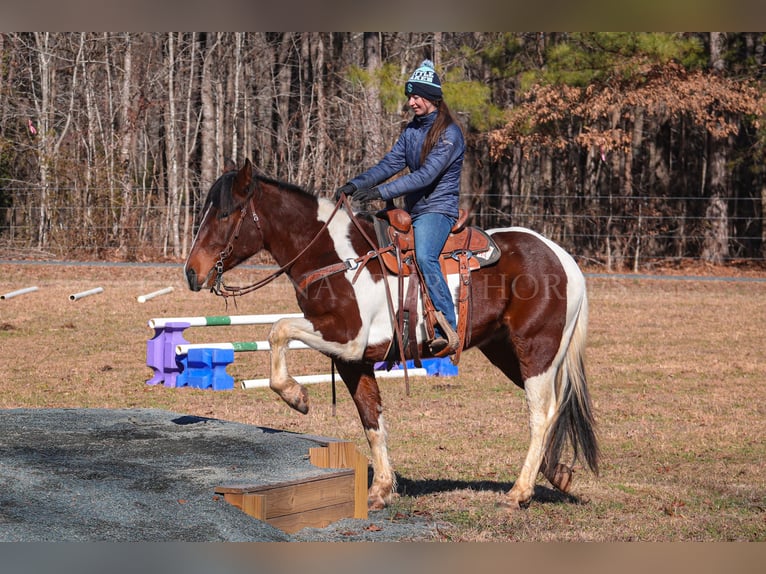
[[535, 294]]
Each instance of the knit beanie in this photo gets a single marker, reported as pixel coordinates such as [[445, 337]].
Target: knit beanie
[[424, 82]]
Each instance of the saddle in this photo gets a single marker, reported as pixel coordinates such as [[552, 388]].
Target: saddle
[[394, 227], [466, 249]]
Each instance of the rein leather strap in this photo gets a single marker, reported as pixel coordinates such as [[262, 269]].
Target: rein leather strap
[[389, 300]]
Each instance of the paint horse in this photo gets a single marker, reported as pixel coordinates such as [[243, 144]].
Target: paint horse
[[528, 315]]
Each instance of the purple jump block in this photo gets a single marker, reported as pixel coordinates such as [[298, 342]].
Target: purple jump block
[[161, 353]]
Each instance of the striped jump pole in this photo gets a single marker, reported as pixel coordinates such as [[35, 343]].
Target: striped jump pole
[[161, 349], [222, 320], [174, 358], [237, 347]]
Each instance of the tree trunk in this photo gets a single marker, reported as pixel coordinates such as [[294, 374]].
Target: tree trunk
[[45, 119], [207, 135], [171, 152], [372, 115], [282, 78], [127, 137], [715, 248]]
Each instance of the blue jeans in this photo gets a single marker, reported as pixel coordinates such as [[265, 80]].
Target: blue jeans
[[431, 232]]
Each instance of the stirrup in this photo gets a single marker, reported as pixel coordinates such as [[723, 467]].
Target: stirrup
[[441, 347]]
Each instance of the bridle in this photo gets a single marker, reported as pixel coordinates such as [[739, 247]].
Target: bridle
[[222, 290]]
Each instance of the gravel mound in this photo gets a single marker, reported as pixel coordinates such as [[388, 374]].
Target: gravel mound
[[147, 475]]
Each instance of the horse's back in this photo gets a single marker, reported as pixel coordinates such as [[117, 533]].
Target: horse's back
[[536, 288], [530, 244], [527, 252]]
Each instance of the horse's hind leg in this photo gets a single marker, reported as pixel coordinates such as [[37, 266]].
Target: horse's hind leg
[[541, 406], [361, 383]]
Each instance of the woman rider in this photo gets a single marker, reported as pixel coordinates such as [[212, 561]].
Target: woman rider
[[432, 147]]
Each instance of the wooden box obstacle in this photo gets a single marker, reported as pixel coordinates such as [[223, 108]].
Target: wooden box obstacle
[[314, 502]]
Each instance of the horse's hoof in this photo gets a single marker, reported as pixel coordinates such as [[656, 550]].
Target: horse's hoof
[[300, 402], [560, 477], [375, 503], [516, 499], [302, 405]]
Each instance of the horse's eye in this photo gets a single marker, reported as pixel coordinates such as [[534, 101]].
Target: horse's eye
[[223, 214]]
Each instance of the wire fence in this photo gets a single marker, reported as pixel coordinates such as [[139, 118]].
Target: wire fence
[[635, 232]]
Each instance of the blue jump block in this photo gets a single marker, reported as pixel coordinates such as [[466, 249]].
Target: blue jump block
[[434, 367], [205, 368]]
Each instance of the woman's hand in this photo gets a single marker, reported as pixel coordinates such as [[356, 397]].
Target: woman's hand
[[347, 189], [367, 194]]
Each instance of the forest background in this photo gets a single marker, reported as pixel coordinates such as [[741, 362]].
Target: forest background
[[630, 149]]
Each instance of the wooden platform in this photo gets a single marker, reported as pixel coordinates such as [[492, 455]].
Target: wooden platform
[[313, 502]]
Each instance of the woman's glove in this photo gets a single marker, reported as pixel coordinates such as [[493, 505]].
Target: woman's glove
[[348, 189], [367, 194]]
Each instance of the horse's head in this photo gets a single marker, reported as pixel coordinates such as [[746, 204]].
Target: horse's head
[[228, 231]]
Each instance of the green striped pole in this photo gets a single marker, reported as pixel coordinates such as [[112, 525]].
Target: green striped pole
[[242, 346], [222, 320]]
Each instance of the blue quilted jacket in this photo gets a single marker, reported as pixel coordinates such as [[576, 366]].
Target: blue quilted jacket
[[432, 187]]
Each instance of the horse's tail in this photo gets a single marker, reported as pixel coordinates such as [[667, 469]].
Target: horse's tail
[[575, 419]]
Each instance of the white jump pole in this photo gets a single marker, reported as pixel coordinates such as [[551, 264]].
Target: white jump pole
[[237, 347], [221, 320], [18, 292], [153, 294], [310, 379], [81, 294]]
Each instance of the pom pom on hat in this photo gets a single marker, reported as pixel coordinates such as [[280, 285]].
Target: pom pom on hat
[[424, 82]]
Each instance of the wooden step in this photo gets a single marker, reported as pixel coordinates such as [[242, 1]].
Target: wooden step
[[314, 502]]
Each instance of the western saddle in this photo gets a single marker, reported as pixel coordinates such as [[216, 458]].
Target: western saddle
[[466, 249]]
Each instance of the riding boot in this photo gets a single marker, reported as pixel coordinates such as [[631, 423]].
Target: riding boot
[[441, 347]]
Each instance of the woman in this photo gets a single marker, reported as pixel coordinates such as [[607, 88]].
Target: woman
[[432, 147]]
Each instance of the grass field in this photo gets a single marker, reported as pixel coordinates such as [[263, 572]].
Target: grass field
[[676, 372]]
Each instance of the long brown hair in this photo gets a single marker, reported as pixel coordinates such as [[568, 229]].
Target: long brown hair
[[443, 119]]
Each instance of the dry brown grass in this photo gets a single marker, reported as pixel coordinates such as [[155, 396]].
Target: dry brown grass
[[676, 372]]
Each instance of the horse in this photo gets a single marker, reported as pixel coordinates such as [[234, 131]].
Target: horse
[[528, 316]]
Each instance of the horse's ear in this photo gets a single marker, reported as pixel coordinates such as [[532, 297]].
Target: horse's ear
[[244, 178]]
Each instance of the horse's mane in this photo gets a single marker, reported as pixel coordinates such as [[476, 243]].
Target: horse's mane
[[279, 183], [221, 198]]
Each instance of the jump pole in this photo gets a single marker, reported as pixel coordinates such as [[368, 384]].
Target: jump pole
[[153, 294], [222, 320], [310, 379], [81, 294], [237, 347], [18, 292]]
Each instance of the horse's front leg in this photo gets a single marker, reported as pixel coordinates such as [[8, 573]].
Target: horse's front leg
[[361, 383], [290, 391]]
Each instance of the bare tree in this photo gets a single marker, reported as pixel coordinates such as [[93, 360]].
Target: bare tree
[[716, 234], [171, 151]]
